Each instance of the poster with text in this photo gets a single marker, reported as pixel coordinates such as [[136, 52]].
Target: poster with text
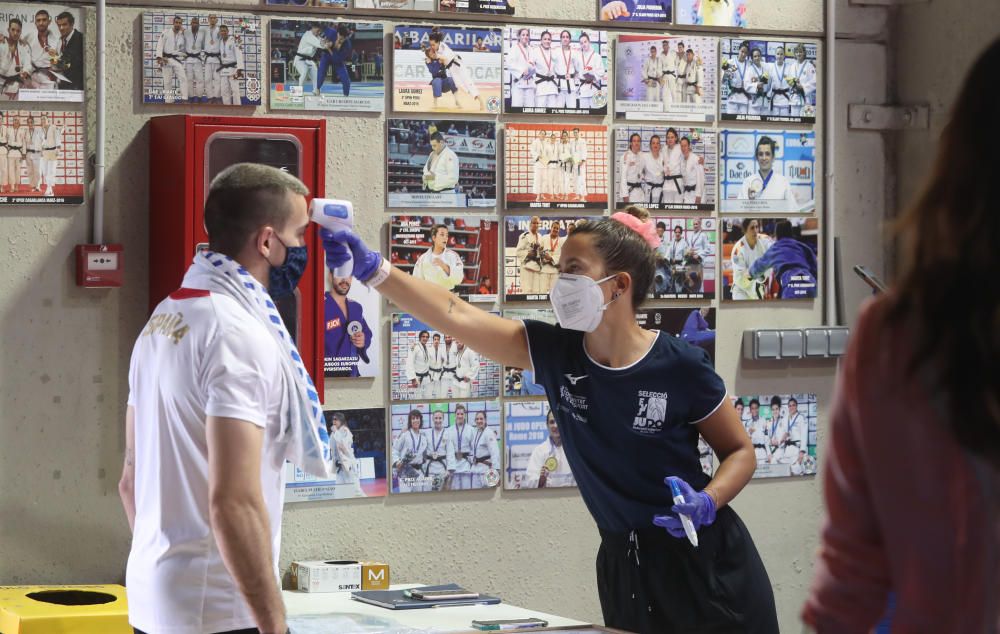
[[553, 70], [765, 171], [770, 258], [398, 5], [458, 254], [686, 258], [445, 446], [782, 428], [488, 7], [521, 381], [200, 57], [352, 328], [441, 163], [43, 159], [553, 166], [357, 455], [443, 68], [427, 365], [328, 66], [695, 326], [534, 456], [659, 167], [666, 77], [531, 251], [47, 61], [768, 80], [712, 12], [635, 11]]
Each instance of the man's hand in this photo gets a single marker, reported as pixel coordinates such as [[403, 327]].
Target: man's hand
[[413, 384], [614, 10], [358, 339], [161, 62]]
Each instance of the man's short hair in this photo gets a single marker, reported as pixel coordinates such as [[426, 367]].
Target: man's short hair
[[41, 12], [242, 199], [661, 225], [66, 15], [15, 21], [437, 136]]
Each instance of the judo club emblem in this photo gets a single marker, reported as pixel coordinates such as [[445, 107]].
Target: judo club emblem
[[652, 413], [492, 478]]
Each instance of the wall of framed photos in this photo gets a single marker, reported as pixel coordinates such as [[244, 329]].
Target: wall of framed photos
[[528, 546]]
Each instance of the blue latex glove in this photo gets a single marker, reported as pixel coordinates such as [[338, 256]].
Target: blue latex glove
[[698, 505], [342, 245]]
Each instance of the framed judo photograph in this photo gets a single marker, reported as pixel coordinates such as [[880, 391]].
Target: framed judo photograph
[[429, 365], [44, 157], [520, 382], [487, 7], [635, 11], [695, 325], [768, 80], [41, 53], [770, 258], [553, 166], [357, 458], [555, 70], [352, 318], [446, 69], [326, 66], [686, 258], [531, 251], [441, 163], [767, 171], [782, 428], [322, 4], [534, 456], [666, 77], [731, 13], [458, 253], [659, 167], [201, 57], [445, 446], [397, 5]]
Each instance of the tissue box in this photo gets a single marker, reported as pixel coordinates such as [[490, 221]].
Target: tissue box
[[44, 609], [327, 576]]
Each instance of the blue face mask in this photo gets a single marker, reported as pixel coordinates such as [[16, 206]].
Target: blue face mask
[[284, 278]]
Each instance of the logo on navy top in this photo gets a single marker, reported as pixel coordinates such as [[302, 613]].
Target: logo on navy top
[[573, 379], [652, 412]]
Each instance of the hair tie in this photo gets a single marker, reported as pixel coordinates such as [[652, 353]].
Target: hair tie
[[645, 229]]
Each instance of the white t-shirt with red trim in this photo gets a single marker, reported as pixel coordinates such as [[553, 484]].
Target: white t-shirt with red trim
[[201, 354]]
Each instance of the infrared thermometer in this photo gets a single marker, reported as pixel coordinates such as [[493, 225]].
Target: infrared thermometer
[[334, 215]]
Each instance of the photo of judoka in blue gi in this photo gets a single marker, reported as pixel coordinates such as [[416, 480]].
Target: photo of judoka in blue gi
[[440, 81], [338, 52], [793, 264], [696, 330], [347, 335]]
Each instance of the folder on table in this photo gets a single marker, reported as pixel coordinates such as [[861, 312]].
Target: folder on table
[[398, 600]]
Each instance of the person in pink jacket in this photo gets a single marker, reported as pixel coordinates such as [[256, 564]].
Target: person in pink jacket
[[912, 477]]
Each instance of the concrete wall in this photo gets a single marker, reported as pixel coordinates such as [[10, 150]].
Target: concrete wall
[[64, 357], [935, 45]]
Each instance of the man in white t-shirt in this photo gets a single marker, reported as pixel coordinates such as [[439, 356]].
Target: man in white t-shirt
[[202, 482]]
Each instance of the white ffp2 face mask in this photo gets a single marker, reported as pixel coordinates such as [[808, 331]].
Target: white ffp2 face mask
[[578, 301]]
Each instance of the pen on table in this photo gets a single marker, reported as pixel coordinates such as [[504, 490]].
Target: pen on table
[[692, 534]]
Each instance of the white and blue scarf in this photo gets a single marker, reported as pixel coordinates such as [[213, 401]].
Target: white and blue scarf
[[303, 428]]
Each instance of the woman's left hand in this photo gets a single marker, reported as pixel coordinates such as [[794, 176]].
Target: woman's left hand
[[698, 506]]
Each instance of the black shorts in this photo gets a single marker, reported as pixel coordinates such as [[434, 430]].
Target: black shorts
[[658, 584]]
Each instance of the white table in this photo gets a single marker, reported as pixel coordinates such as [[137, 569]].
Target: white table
[[446, 619]]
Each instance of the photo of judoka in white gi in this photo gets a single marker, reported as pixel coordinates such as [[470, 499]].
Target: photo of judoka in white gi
[[669, 78], [765, 171], [534, 454], [768, 80], [427, 365], [771, 258], [660, 167], [779, 430]]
